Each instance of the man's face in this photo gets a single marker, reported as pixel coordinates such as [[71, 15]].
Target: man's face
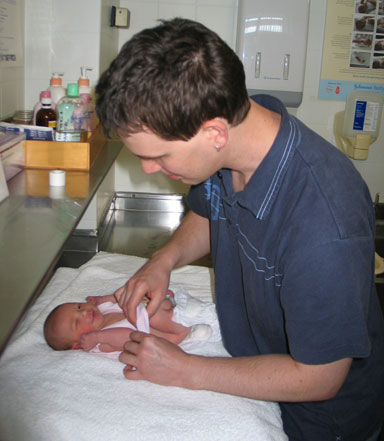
[[191, 161]]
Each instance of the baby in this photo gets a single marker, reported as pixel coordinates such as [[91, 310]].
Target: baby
[[100, 326]]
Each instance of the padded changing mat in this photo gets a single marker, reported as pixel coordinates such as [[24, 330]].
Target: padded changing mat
[[48, 395]]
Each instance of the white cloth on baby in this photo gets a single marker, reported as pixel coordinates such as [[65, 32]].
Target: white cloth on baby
[[189, 311], [192, 312], [142, 325]]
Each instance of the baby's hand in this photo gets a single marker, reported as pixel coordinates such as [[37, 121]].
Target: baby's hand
[[98, 300], [88, 341]]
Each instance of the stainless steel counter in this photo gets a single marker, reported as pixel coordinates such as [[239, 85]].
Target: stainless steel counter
[[35, 222]]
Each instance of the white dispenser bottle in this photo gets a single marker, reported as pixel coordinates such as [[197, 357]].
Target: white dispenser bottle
[[358, 127], [83, 81], [56, 88], [271, 43], [363, 114]]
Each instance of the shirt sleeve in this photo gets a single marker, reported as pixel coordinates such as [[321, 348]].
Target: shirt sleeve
[[325, 295]]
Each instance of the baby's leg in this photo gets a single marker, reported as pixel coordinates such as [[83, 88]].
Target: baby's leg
[[162, 322]]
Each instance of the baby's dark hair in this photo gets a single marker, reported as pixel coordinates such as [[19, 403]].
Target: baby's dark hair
[[54, 340], [170, 79]]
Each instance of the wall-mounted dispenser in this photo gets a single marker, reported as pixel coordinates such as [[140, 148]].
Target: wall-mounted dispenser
[[272, 44], [358, 127]]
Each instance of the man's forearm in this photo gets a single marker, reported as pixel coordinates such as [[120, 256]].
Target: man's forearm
[[265, 377], [190, 241]]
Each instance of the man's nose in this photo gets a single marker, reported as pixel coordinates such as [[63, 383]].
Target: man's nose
[[150, 166]]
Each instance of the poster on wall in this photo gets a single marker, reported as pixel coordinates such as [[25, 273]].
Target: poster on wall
[[353, 50], [11, 48]]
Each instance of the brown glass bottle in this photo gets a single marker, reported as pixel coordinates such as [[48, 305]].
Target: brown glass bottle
[[46, 116]]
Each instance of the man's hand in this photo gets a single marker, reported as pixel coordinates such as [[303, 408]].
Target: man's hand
[[190, 241], [153, 359], [269, 377], [150, 281]]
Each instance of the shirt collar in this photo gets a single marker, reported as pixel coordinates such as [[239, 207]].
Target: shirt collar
[[263, 187]]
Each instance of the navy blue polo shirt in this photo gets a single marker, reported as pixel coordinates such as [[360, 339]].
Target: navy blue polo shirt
[[293, 256]]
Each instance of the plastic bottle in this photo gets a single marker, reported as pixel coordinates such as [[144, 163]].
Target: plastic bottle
[[83, 81], [46, 116], [363, 114], [91, 117], [72, 113], [56, 88]]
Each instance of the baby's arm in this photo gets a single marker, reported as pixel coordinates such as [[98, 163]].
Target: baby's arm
[[98, 300], [109, 339]]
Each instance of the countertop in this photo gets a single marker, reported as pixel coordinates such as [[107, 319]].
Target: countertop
[[35, 222]]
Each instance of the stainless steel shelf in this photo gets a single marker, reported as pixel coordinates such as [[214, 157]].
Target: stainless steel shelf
[[34, 227], [140, 223]]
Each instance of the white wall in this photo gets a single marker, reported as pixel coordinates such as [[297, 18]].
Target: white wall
[[319, 114], [220, 15], [62, 36], [12, 79]]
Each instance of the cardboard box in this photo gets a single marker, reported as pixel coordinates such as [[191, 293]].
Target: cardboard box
[[31, 132], [65, 155], [12, 156]]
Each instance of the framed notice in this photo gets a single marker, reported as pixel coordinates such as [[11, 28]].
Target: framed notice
[[11, 32], [353, 50]]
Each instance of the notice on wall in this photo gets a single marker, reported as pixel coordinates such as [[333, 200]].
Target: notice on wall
[[11, 45], [353, 49]]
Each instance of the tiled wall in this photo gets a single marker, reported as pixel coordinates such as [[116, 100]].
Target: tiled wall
[[319, 114], [62, 36], [220, 15], [12, 79]]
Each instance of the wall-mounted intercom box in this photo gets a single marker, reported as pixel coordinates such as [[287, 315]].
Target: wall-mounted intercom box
[[120, 17]]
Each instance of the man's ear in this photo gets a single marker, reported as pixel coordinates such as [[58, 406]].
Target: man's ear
[[217, 131], [76, 346]]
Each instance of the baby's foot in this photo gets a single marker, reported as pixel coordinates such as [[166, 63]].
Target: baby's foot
[[198, 333]]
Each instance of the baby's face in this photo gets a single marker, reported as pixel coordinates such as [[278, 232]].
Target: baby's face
[[74, 319]]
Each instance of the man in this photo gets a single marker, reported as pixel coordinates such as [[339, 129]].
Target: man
[[290, 226]]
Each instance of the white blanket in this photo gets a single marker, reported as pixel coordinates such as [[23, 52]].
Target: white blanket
[[49, 395]]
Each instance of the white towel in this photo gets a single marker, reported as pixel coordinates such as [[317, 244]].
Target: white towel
[[72, 395]]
